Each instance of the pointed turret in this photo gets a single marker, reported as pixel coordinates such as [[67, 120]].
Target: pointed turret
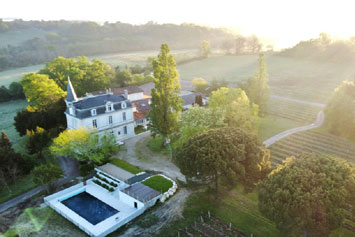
[[71, 96]]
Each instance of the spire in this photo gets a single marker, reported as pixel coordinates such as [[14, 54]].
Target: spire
[[71, 96]]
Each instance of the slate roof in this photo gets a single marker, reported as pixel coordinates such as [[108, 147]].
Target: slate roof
[[190, 99], [141, 192], [138, 178], [71, 96], [99, 100], [116, 172]]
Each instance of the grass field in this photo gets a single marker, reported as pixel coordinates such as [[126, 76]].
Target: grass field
[[8, 111], [295, 78], [158, 183]]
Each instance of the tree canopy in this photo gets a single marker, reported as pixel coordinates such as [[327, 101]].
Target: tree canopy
[[307, 194], [257, 88], [234, 106], [41, 91], [225, 152], [46, 175], [340, 111], [166, 104], [82, 144], [199, 84], [205, 49], [85, 76]]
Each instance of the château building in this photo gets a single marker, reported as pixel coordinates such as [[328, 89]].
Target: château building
[[103, 112]]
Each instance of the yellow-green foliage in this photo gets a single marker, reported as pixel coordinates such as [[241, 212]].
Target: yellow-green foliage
[[41, 91]]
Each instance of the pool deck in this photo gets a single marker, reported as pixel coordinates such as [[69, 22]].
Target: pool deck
[[118, 200]]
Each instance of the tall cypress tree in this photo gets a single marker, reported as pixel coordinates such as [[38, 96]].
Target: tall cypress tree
[[166, 104]]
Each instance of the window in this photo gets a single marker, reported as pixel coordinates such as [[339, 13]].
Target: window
[[119, 133], [135, 205], [125, 130], [110, 119], [94, 123], [124, 116], [93, 112], [109, 107], [111, 132], [72, 111], [124, 105]]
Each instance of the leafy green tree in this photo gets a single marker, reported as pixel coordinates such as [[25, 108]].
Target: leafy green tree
[[52, 119], [166, 104], [41, 91], [16, 91], [257, 88], [307, 195], [12, 163], [234, 106], [37, 141], [123, 78], [228, 153], [47, 175], [85, 76], [195, 121], [4, 94], [340, 111], [82, 144], [216, 84], [199, 84], [205, 48]]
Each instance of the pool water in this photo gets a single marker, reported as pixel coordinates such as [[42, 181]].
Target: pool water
[[89, 207]]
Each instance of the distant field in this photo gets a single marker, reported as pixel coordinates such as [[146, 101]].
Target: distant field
[[7, 112], [303, 79], [122, 59]]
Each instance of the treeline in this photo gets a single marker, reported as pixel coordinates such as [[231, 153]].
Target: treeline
[[14, 92], [70, 39], [324, 48]]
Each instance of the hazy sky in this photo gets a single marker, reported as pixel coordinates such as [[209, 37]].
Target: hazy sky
[[287, 22]]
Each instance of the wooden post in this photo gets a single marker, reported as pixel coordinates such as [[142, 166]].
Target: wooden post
[[230, 225], [209, 214], [201, 219]]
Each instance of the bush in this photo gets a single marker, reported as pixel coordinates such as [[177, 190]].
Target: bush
[[126, 166], [158, 183]]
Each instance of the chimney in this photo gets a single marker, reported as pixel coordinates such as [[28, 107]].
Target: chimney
[[126, 93]]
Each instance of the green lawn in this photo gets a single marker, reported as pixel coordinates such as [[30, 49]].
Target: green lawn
[[21, 185], [158, 183], [271, 125], [8, 111], [126, 166], [8, 76], [156, 145]]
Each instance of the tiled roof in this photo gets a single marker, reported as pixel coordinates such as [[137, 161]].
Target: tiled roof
[[142, 105], [137, 115]]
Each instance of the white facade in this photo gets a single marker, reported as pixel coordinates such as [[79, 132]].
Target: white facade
[[103, 113], [135, 96], [119, 123]]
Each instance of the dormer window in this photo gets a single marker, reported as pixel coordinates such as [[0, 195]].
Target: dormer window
[[124, 105], [109, 107], [93, 112], [71, 111]]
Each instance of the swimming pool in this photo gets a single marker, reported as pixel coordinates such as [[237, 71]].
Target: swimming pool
[[89, 207]]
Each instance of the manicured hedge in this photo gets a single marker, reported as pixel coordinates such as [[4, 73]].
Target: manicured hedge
[[126, 166], [158, 183]]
